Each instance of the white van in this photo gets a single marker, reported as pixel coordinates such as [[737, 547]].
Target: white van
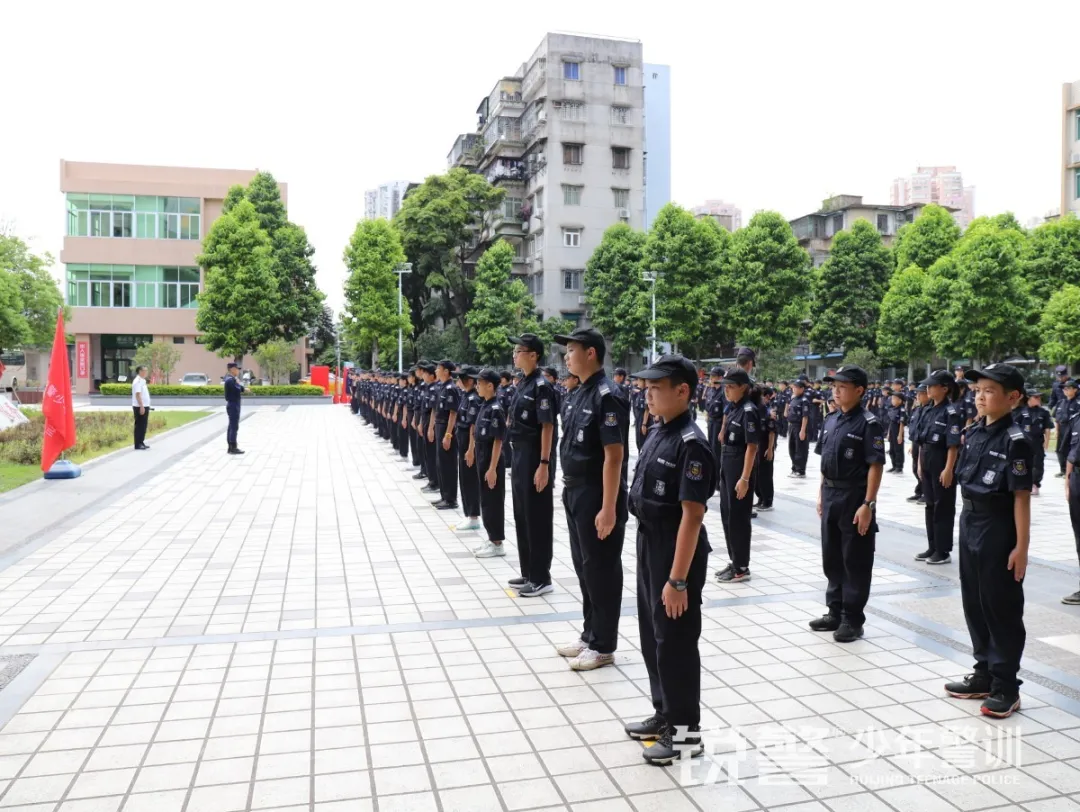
[[12, 370]]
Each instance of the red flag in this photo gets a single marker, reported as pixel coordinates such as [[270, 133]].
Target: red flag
[[56, 405]]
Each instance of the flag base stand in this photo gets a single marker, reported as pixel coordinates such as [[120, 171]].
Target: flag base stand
[[63, 469]]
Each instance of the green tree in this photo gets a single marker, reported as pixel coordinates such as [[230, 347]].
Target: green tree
[[617, 296], [160, 358], [439, 222], [1051, 257], [688, 256], [925, 241], [241, 288], [35, 298], [1060, 327], [371, 308], [13, 327], [501, 305], [848, 290], [276, 360], [323, 333], [776, 365], [986, 314], [768, 288], [865, 358], [547, 329], [906, 322]]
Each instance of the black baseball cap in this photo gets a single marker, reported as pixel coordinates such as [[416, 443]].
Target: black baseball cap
[[506, 374], [900, 381], [745, 352], [1071, 384], [469, 372], [1005, 374], [448, 364], [1032, 392], [958, 367], [737, 376], [529, 341], [939, 377], [799, 382], [673, 366], [1061, 369], [428, 367], [849, 374], [717, 370], [619, 371], [489, 375], [550, 371], [586, 336]]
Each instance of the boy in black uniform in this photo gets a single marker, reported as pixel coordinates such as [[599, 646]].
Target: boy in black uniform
[[642, 418], [486, 443], [1038, 427], [798, 420], [468, 478], [896, 418], [915, 426], [852, 450], [766, 450], [714, 409], [1067, 409], [673, 481], [994, 472], [441, 434]]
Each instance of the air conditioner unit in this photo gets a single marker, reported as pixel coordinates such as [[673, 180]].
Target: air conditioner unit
[[1076, 157], [539, 214], [624, 214], [581, 300], [542, 115], [539, 253]]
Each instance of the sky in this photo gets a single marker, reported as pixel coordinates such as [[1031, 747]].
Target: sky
[[775, 105]]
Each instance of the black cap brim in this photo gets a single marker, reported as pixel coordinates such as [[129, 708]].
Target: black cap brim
[[564, 340]]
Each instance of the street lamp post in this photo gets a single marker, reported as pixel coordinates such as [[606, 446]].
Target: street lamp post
[[400, 269], [651, 276]]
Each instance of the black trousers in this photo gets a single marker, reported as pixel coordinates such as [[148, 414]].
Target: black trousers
[[798, 450], [993, 600], [896, 452], [414, 447], [763, 479], [735, 512], [846, 557], [1038, 464], [492, 500], [233, 411], [915, 450], [781, 424], [403, 440], [447, 462], [533, 512], [713, 429], [140, 425], [431, 451], [1074, 507], [468, 478], [670, 647], [940, 501], [1063, 440], [598, 564]]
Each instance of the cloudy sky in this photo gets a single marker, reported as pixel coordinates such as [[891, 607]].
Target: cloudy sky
[[775, 104]]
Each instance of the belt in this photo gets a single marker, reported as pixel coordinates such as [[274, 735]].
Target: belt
[[845, 484], [574, 481], [992, 504], [732, 451]]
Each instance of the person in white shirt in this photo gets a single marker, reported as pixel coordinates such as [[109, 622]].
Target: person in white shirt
[[140, 405]]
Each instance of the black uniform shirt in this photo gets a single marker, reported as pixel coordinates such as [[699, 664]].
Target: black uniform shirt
[[995, 459], [915, 423], [1071, 432], [424, 400], [850, 443], [1057, 394], [233, 389], [468, 407], [896, 418], [598, 417], [490, 425], [1037, 424], [940, 426], [798, 408], [714, 404], [567, 400], [446, 401], [531, 407], [743, 426], [1067, 410]]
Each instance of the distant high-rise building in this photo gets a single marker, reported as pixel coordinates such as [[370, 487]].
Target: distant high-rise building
[[937, 184], [657, 160], [1070, 148], [727, 215], [385, 200]]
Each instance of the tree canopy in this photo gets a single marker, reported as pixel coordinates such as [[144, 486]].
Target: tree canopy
[[1059, 327], [618, 297], [923, 242], [371, 309], [29, 296], [501, 305]]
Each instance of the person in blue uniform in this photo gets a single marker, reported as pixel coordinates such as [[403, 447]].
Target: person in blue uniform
[[738, 454], [1067, 409], [531, 425], [486, 447], [233, 391], [852, 450], [1038, 426], [620, 381], [939, 440], [763, 479], [994, 473], [914, 432], [1072, 481], [441, 435], [714, 408], [673, 481], [468, 407], [1057, 389], [571, 383], [595, 452], [895, 417], [797, 416], [640, 427]]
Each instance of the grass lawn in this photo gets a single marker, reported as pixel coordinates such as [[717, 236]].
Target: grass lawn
[[13, 474]]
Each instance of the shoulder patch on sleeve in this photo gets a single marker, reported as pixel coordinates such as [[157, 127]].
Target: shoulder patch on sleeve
[[605, 389], [1015, 432], [687, 436], [611, 419], [495, 407], [1019, 467], [695, 471], [871, 417], [951, 409], [541, 381], [749, 407]]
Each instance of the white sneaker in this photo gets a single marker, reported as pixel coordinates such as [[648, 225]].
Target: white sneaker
[[471, 524], [489, 550], [571, 650], [589, 660]]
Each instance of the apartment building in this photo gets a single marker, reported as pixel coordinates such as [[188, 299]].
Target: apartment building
[[129, 256], [815, 231], [385, 200], [726, 215], [565, 137], [943, 185], [1070, 148]]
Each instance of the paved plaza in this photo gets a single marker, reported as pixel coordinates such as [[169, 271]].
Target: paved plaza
[[298, 629]]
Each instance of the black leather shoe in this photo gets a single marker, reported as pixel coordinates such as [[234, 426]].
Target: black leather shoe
[[647, 731], [419, 476], [430, 489], [847, 633], [825, 623], [442, 504]]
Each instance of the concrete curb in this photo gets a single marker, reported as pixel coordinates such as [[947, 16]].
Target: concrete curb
[[111, 400]]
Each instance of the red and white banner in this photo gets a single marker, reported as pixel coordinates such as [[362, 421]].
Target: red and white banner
[[57, 406]]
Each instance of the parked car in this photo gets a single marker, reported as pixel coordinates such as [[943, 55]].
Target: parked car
[[12, 370], [195, 379]]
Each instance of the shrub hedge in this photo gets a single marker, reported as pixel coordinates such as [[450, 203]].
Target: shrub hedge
[[94, 430], [214, 390]]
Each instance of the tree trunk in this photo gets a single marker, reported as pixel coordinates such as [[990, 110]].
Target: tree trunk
[[374, 353], [911, 369]]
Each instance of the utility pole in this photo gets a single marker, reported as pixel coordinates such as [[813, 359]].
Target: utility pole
[[651, 276], [400, 269]]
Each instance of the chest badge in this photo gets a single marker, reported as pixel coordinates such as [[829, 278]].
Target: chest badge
[[988, 477], [581, 435], [849, 453], [524, 414], [731, 437], [660, 488]]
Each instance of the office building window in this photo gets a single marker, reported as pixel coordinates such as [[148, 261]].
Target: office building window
[[132, 286], [570, 110], [571, 280], [620, 157], [620, 115], [178, 340], [883, 223], [620, 76], [145, 217], [622, 198], [571, 237], [838, 224], [573, 318], [571, 195], [572, 154], [511, 208], [571, 71]]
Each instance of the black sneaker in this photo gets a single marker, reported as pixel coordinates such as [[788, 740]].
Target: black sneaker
[[847, 633], [647, 731], [765, 507], [1072, 600], [921, 500], [725, 573], [825, 623], [753, 514], [1059, 475], [517, 583], [1000, 705], [740, 575], [973, 686], [419, 476], [442, 504], [535, 590], [913, 498], [925, 554], [430, 489], [939, 558], [667, 750]]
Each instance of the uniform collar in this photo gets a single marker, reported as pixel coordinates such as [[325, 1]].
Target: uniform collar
[[594, 378], [999, 425], [677, 423]]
